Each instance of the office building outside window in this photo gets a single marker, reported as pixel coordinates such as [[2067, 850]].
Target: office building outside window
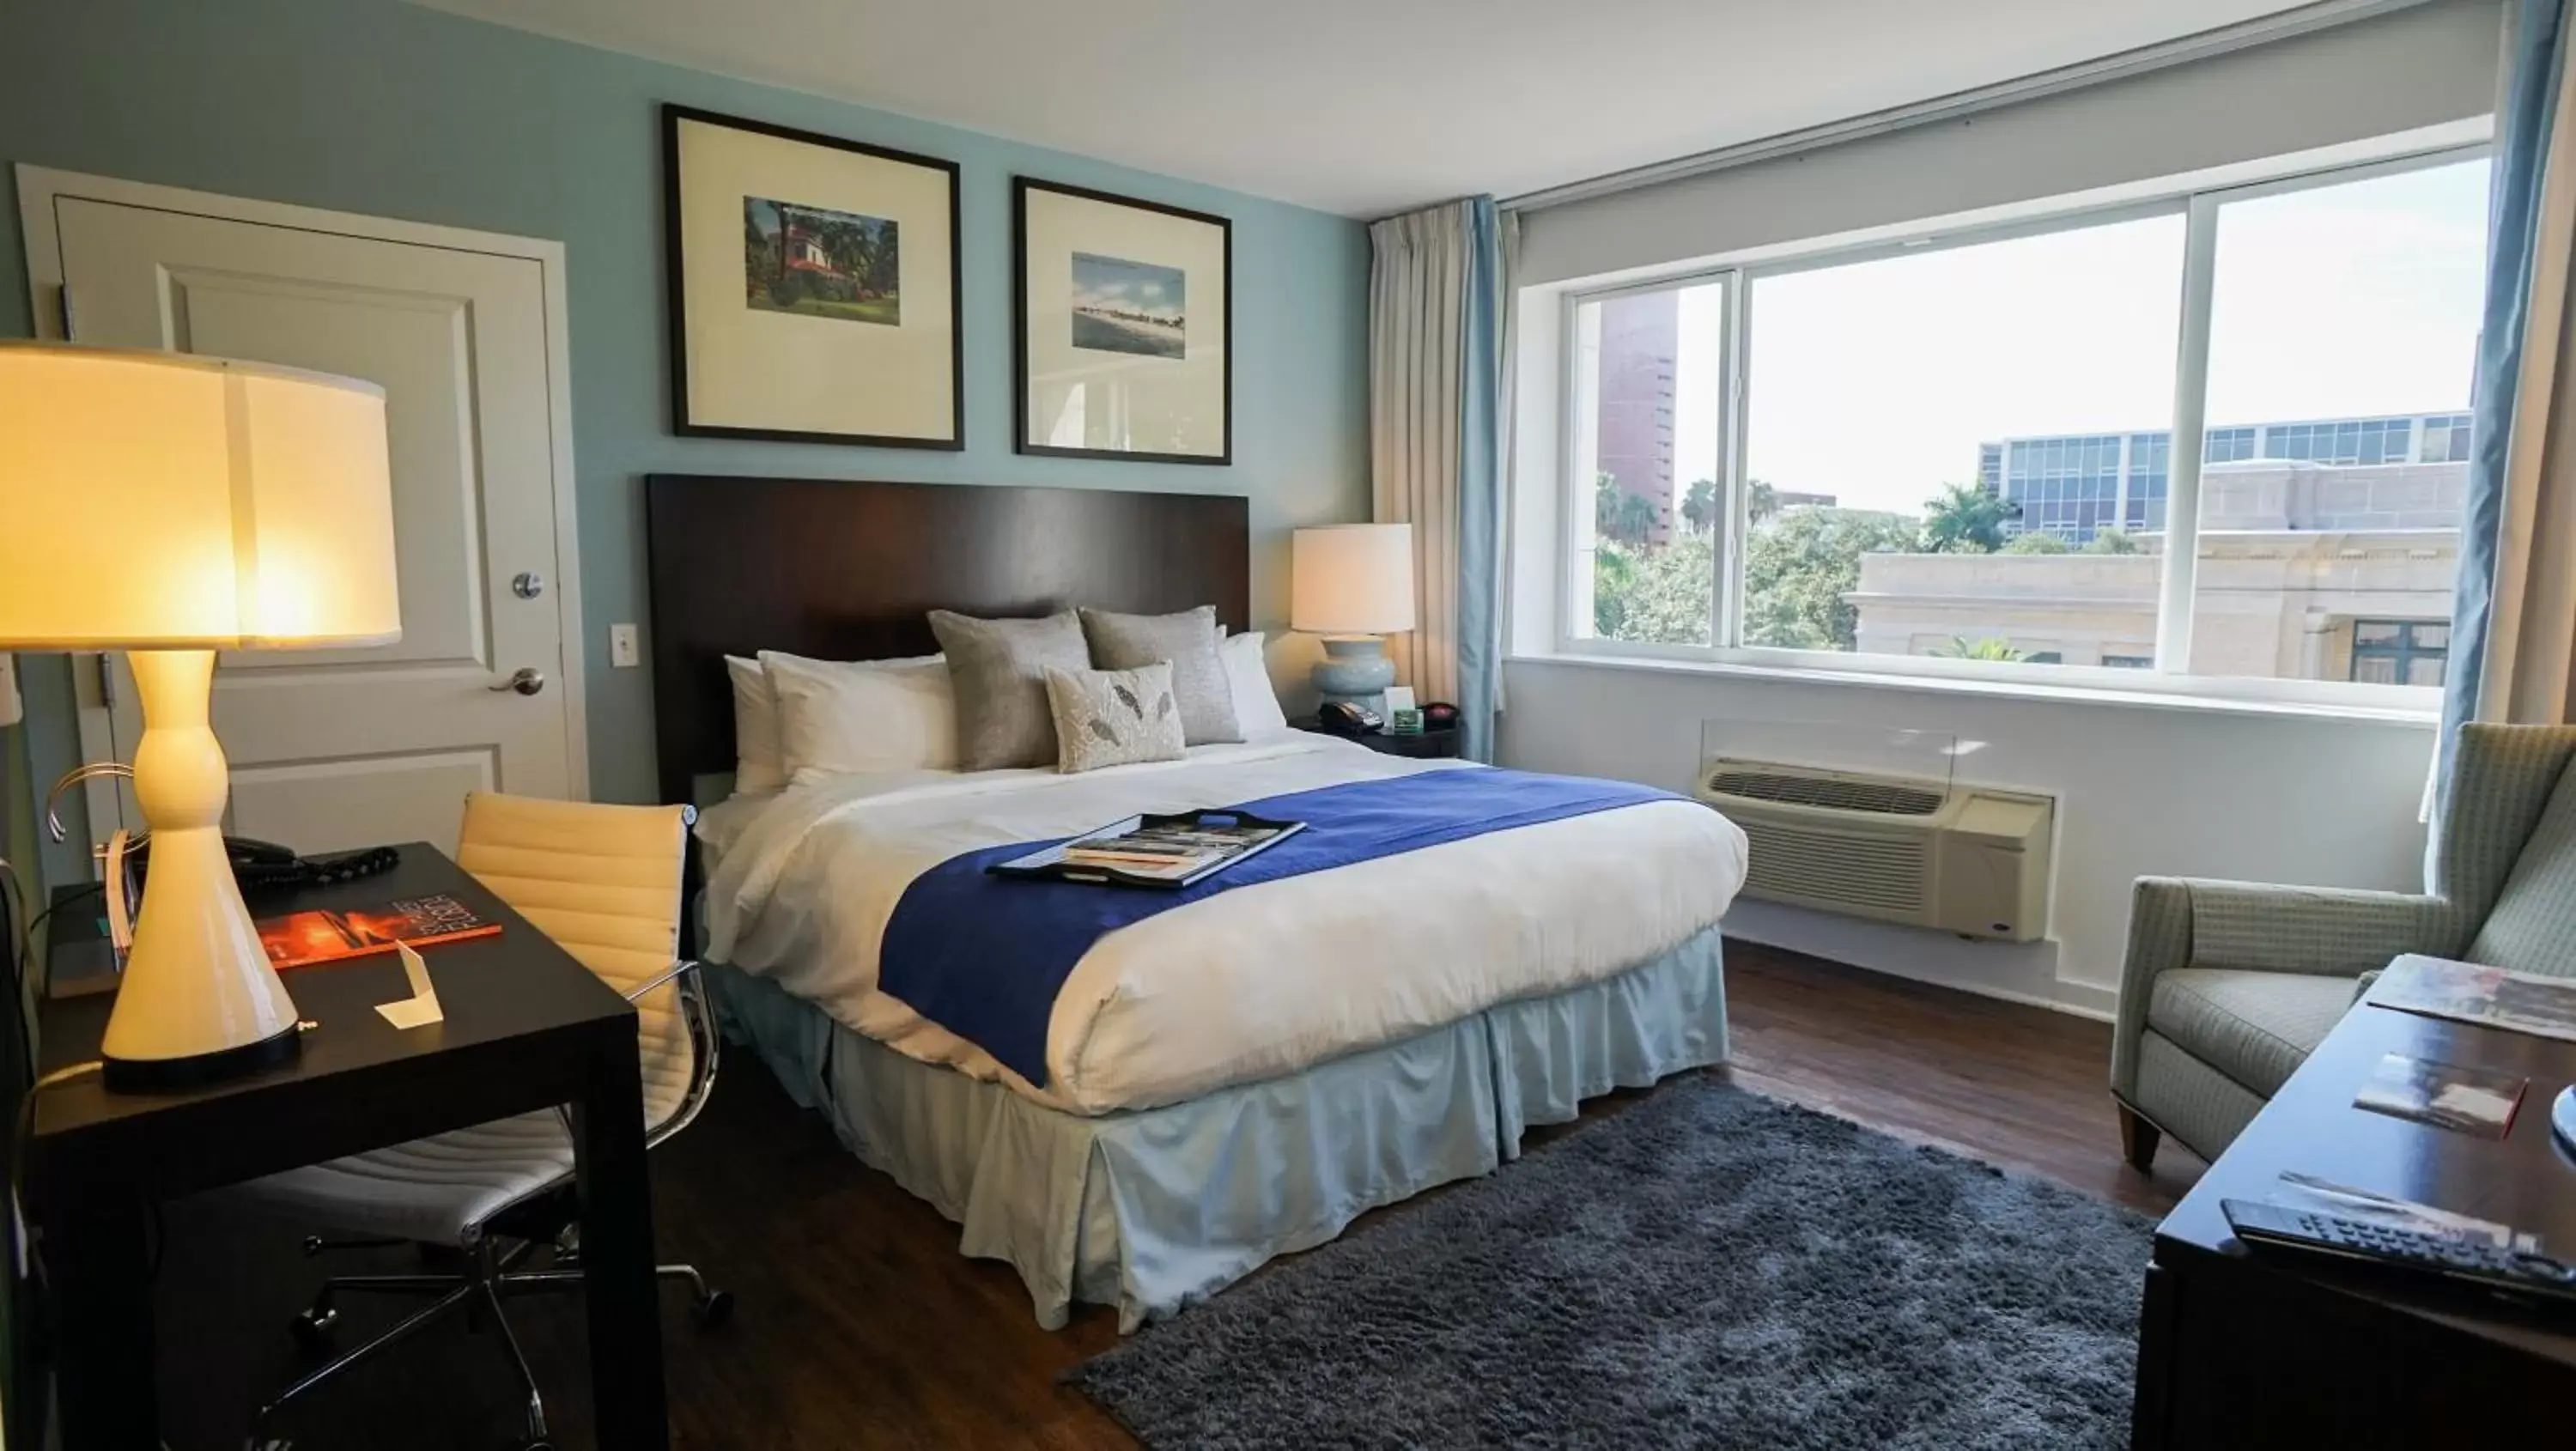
[[2073, 485]]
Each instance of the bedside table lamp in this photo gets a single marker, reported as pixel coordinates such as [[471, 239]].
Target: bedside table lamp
[[1351, 584], [173, 506]]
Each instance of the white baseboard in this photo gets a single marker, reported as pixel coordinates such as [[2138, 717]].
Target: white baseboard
[[2014, 972]]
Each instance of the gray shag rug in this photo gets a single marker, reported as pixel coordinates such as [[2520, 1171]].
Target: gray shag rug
[[1707, 1268]]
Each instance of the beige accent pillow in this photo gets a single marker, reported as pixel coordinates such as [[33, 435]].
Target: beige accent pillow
[[999, 671], [1114, 717], [1188, 641]]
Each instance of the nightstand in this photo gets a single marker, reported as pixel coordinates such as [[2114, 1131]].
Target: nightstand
[[1424, 746]]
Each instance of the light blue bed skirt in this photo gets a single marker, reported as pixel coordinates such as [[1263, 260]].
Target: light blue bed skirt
[[1155, 1210]]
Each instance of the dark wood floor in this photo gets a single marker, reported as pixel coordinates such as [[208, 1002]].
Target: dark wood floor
[[859, 1325]]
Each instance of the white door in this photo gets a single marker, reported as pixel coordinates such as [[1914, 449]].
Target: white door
[[332, 749]]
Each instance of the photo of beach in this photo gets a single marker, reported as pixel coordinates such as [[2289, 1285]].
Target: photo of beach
[[821, 263], [1129, 307]]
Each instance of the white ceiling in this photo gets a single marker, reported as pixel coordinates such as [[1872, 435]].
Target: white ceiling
[[1371, 106]]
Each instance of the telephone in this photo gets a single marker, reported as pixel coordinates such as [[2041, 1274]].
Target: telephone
[[258, 864], [1347, 718]]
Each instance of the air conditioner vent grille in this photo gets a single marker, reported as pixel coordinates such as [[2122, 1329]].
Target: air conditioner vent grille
[[1879, 874], [1875, 798]]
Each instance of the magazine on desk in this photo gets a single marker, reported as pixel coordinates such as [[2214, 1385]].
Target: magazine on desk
[[302, 939], [1153, 851], [2466, 992]]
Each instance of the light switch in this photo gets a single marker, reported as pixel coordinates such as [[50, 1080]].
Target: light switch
[[621, 646]]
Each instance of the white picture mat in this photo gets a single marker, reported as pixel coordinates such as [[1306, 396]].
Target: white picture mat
[[749, 368], [1122, 402]]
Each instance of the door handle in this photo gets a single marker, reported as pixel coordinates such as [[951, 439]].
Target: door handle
[[527, 680]]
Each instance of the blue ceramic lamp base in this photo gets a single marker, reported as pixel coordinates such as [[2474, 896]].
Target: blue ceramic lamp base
[[1355, 669]]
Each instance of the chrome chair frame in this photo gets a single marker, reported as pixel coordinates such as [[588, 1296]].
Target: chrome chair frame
[[490, 1274]]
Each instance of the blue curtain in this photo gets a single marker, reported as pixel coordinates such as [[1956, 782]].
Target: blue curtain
[[1480, 488], [2535, 54]]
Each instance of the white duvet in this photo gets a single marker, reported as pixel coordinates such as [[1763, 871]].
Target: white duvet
[[1236, 987]]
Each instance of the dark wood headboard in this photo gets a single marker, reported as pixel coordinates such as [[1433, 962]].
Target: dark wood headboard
[[846, 571]]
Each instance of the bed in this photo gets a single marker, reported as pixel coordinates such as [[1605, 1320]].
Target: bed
[[1232, 1079]]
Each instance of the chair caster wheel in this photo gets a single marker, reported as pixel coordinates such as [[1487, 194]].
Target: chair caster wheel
[[714, 1310], [314, 1326], [538, 1445]]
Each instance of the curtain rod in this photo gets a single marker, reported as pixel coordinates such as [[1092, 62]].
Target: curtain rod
[[2201, 45]]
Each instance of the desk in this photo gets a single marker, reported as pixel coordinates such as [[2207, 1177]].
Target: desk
[[2241, 1350], [528, 1027]]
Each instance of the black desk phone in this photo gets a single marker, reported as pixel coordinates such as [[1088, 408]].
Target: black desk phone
[[257, 864], [1344, 718]]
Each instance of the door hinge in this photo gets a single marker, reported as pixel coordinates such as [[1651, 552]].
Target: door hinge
[[63, 310], [106, 680]]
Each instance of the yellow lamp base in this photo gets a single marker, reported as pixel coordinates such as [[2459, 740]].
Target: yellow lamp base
[[199, 1000]]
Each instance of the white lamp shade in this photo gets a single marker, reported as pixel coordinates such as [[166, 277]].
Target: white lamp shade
[[162, 501], [1351, 579]]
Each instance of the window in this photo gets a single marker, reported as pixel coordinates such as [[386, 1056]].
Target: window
[[1940, 397], [2145, 496], [2229, 445], [1961, 453], [1647, 388], [2341, 305], [2446, 439], [2400, 652]]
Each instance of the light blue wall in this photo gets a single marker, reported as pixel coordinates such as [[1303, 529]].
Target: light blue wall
[[385, 108]]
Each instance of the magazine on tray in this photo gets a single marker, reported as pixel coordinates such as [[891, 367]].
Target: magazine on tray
[[302, 939], [1153, 851]]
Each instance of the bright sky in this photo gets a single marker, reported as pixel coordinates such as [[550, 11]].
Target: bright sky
[[1118, 285], [1875, 382]]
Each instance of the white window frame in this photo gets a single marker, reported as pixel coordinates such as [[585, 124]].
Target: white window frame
[[2198, 201]]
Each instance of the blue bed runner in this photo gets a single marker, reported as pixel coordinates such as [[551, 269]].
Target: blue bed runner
[[984, 956]]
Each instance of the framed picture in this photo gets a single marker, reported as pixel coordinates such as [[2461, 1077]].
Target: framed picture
[[814, 286], [1126, 327]]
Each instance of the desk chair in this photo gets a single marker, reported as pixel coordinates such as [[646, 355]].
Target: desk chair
[[604, 883]]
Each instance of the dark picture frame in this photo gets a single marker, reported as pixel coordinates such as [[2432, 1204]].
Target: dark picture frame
[[846, 304], [1153, 340]]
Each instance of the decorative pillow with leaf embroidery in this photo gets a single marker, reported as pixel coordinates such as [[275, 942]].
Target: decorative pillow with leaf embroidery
[[1114, 717]]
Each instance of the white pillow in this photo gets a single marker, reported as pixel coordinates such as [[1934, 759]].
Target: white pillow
[[836, 717], [1247, 676], [755, 728]]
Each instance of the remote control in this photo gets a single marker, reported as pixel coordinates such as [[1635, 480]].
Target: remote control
[[2447, 1257]]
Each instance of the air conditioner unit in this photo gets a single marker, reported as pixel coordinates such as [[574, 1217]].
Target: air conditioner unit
[[1928, 853]]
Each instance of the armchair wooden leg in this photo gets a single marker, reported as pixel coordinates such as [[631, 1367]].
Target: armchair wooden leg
[[2138, 1139]]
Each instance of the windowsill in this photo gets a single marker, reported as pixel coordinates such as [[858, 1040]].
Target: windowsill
[[1990, 689]]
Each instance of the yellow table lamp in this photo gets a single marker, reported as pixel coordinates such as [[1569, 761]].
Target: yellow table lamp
[[173, 506]]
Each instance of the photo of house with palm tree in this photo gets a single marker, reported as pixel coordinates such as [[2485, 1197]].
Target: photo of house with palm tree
[[821, 263]]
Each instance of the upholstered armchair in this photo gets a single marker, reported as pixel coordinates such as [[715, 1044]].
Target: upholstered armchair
[[2230, 985]]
